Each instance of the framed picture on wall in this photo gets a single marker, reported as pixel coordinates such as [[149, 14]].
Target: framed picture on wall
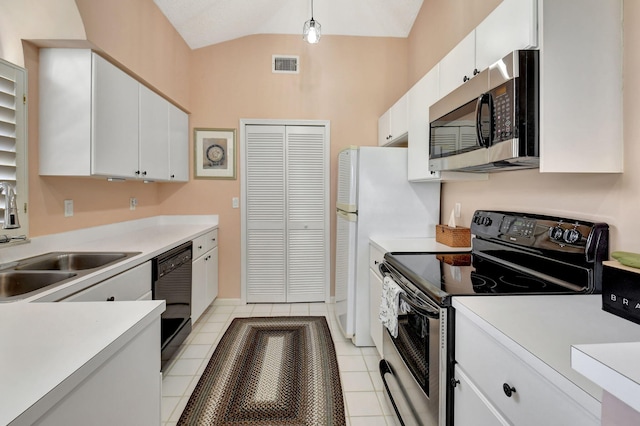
[[215, 153]]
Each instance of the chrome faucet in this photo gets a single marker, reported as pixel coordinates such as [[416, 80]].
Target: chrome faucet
[[11, 220]]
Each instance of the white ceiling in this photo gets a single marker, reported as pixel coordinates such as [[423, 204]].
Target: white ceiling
[[205, 22]]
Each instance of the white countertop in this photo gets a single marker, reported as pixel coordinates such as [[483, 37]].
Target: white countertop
[[613, 366], [413, 245], [150, 236], [48, 348], [542, 329]]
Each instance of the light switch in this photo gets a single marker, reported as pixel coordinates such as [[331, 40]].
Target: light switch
[[235, 202]]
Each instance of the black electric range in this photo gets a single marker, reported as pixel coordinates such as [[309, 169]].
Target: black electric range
[[512, 253]]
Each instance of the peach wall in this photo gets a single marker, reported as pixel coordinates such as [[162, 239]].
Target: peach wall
[[349, 81], [607, 197], [33, 20]]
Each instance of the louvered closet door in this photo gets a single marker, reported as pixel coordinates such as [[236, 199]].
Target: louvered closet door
[[306, 174], [265, 227], [286, 235]]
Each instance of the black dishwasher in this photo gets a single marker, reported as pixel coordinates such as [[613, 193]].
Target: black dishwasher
[[172, 283]]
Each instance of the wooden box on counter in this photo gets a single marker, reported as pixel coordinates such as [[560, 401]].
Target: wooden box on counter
[[453, 237]]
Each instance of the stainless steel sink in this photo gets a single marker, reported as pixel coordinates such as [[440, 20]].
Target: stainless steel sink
[[16, 283], [33, 275], [75, 261]]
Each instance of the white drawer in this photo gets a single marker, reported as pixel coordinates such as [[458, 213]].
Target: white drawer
[[204, 243], [376, 257], [132, 284], [489, 365]]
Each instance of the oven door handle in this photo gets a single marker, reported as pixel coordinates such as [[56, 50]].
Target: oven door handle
[[384, 370], [423, 309]]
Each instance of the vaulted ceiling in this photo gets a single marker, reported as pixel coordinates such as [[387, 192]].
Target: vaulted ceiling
[[205, 22]]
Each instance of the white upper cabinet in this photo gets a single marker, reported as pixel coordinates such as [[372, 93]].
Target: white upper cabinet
[[421, 96], [511, 26], [154, 136], [459, 65], [178, 145], [96, 120], [114, 132], [581, 86], [394, 124]]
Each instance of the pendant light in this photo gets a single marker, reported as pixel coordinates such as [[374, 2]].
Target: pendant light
[[311, 31]]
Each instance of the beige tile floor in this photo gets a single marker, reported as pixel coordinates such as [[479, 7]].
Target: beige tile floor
[[361, 384]]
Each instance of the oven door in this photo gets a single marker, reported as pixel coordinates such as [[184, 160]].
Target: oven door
[[410, 369]]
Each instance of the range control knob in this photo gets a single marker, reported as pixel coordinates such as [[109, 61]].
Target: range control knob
[[572, 236], [486, 221], [556, 233]]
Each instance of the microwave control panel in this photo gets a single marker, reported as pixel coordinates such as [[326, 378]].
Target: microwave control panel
[[505, 126]]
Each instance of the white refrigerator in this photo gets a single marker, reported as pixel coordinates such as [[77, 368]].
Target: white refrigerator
[[375, 200]]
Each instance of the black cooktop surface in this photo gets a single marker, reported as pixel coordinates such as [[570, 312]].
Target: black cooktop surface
[[441, 275]]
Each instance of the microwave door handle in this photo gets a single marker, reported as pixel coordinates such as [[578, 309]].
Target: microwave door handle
[[484, 99]]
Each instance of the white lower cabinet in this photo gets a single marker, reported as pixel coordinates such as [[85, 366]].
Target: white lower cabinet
[[494, 386], [204, 287], [375, 294], [133, 284], [111, 395]]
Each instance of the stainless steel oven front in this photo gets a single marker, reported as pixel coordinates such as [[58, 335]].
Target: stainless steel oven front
[[414, 365]]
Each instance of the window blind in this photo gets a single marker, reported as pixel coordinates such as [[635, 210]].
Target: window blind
[[12, 131]]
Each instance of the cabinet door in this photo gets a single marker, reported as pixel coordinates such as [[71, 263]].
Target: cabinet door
[[511, 26], [198, 288], [154, 136], [114, 130], [394, 123], [399, 123], [211, 262], [178, 145], [421, 96], [470, 407], [458, 65], [384, 128]]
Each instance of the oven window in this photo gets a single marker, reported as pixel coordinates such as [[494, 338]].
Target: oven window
[[413, 345]]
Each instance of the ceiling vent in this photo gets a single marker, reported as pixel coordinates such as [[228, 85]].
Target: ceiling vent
[[285, 64]]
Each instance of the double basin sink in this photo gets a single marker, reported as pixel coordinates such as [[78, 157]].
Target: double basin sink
[[30, 276]]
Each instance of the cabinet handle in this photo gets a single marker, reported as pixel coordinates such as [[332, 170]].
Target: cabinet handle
[[475, 71], [144, 173], [465, 79], [375, 262], [199, 247], [454, 382], [173, 176], [111, 299], [508, 390], [137, 172]]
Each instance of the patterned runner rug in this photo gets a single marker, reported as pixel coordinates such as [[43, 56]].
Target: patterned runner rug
[[270, 371]]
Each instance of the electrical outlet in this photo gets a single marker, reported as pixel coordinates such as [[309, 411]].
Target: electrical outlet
[[68, 208], [457, 210], [133, 203], [235, 202]]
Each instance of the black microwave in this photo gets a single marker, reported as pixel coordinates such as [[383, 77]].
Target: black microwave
[[490, 123]]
